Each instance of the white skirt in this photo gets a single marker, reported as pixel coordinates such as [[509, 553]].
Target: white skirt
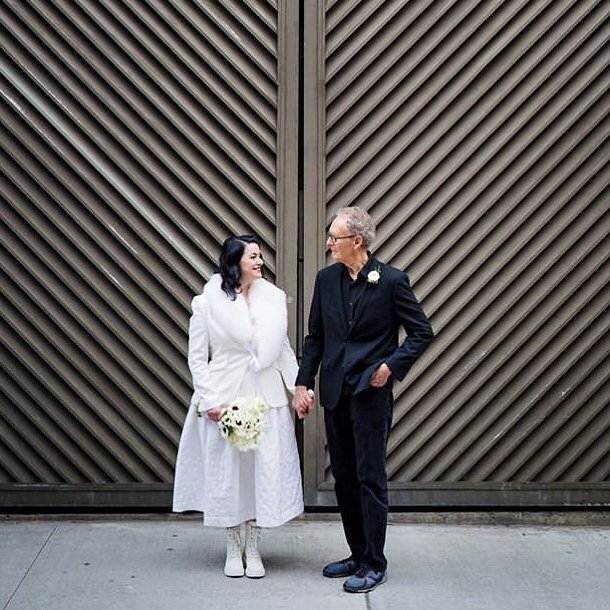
[[230, 486]]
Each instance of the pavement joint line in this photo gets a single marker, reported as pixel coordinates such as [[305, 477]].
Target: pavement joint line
[[42, 548]]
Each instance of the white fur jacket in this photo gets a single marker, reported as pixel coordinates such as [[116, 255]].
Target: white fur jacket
[[228, 338]]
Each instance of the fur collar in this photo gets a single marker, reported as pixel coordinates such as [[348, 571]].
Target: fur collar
[[259, 325]]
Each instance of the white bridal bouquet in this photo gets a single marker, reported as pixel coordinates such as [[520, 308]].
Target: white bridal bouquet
[[243, 421]]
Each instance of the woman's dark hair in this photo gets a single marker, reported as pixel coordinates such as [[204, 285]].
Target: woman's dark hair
[[228, 262]]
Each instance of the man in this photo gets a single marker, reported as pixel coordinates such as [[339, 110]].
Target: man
[[356, 312]]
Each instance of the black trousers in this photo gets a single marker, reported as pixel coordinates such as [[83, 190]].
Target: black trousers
[[357, 435]]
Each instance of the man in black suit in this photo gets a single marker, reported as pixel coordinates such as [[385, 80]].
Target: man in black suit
[[357, 309]]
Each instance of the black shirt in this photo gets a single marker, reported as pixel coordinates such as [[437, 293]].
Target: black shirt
[[352, 290]]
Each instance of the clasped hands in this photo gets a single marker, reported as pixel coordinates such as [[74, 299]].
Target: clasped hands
[[302, 401]]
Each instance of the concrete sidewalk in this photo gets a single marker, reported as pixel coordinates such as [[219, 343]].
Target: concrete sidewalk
[[166, 563]]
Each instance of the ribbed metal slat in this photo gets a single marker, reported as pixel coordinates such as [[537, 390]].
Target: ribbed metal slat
[[477, 135], [135, 136]]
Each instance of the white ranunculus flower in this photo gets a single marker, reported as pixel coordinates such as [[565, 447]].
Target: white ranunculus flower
[[373, 276]]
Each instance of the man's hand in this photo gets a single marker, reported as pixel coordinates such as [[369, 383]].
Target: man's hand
[[302, 401], [380, 377], [216, 413]]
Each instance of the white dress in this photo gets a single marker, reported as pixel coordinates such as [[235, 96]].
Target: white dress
[[250, 344]]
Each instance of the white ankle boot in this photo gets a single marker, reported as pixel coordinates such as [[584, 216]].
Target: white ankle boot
[[234, 565], [254, 564]]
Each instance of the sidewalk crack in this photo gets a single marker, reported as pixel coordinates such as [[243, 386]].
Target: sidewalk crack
[[42, 548]]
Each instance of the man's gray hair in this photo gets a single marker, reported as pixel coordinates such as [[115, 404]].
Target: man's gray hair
[[358, 221]]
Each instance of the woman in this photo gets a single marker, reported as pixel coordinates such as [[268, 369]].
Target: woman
[[238, 347]]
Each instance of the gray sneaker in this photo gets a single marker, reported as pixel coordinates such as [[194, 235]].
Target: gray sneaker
[[364, 580], [341, 569]]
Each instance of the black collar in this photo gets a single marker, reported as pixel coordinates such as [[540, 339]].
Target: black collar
[[363, 273]]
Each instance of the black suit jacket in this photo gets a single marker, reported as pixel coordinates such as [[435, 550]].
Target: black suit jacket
[[351, 354]]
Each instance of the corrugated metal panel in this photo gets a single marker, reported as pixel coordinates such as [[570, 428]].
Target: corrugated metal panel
[[476, 134], [135, 136]]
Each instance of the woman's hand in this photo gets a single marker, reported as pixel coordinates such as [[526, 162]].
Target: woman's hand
[[216, 413]]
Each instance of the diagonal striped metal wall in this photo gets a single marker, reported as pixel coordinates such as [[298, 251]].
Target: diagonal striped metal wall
[[476, 134], [135, 135]]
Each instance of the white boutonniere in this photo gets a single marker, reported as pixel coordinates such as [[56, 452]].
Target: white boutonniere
[[373, 276]]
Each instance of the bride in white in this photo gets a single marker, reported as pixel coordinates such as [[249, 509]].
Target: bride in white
[[238, 347]]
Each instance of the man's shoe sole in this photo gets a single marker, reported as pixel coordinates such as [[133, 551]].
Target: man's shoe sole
[[367, 589]]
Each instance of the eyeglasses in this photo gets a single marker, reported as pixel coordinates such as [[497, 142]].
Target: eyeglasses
[[333, 240]]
